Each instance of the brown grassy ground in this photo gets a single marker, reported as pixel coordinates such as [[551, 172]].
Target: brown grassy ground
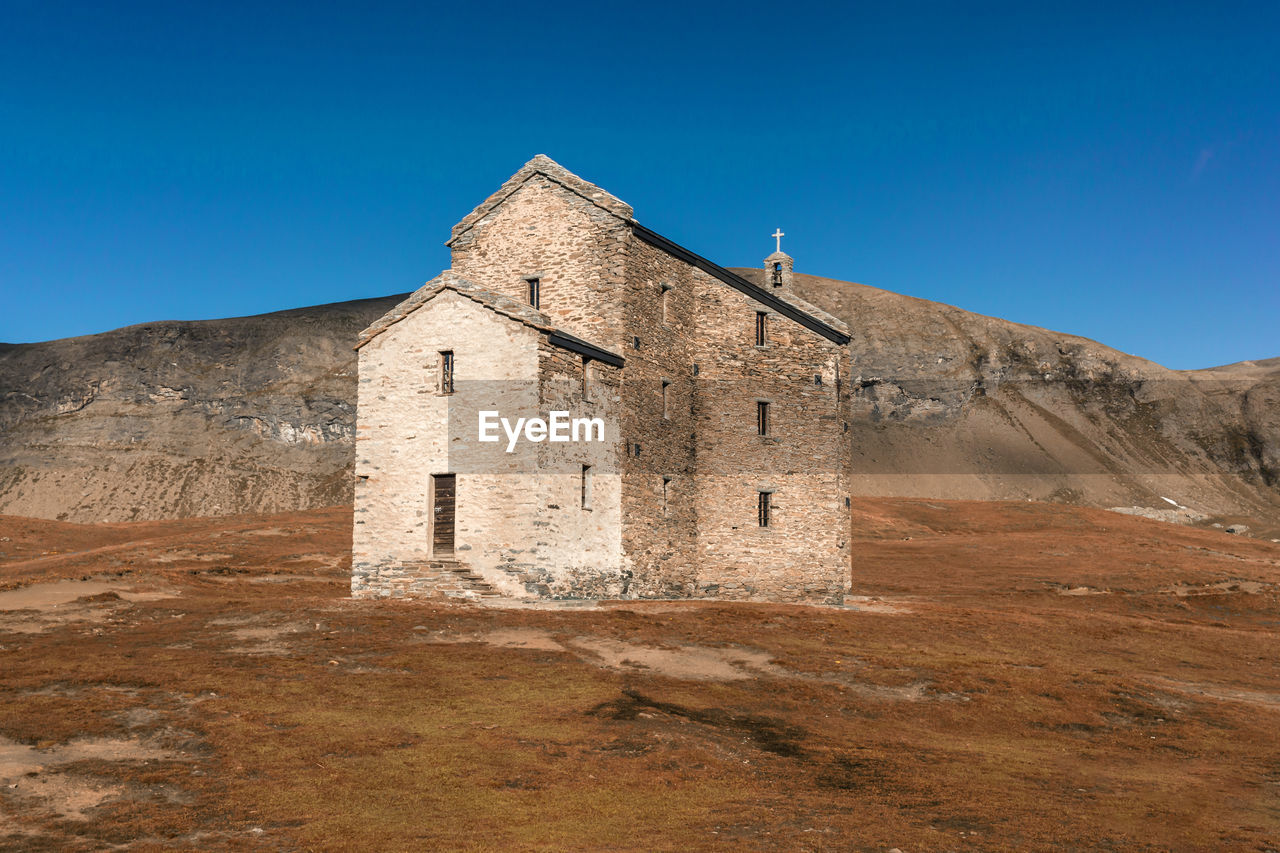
[[1015, 676]]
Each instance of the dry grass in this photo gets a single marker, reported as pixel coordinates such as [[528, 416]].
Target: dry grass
[[970, 704]]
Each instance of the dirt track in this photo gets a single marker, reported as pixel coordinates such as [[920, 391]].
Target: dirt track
[[1008, 676]]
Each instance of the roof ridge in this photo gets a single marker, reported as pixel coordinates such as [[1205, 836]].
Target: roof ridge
[[836, 334], [541, 164]]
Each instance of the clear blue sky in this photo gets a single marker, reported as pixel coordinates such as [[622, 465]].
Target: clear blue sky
[[1109, 170]]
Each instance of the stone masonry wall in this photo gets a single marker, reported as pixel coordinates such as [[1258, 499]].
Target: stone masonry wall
[[804, 461], [572, 246], [577, 550], [674, 489], [658, 492], [518, 520], [404, 433]]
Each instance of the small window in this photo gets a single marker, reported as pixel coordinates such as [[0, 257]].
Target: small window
[[586, 487], [586, 377], [817, 379], [635, 449], [762, 417], [666, 399], [762, 328], [766, 508], [666, 495], [535, 292], [635, 342], [777, 274], [446, 372], [666, 304]]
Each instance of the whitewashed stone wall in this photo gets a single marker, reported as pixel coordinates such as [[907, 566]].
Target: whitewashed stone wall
[[519, 521]]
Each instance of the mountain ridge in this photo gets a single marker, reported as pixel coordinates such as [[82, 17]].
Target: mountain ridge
[[256, 414]]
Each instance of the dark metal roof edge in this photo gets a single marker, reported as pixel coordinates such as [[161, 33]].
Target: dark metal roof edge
[[739, 283], [578, 345]]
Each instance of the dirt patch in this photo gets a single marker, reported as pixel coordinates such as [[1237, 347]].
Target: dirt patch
[[1216, 691], [265, 639], [688, 662], [34, 776], [46, 597], [1224, 587], [39, 608], [872, 604]]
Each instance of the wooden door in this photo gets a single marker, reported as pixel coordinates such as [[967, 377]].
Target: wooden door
[[443, 494]]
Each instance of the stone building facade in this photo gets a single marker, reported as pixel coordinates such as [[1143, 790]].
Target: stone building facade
[[718, 464]]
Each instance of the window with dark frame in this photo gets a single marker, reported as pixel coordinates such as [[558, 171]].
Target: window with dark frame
[[762, 417], [446, 371], [762, 328], [586, 487], [535, 292], [766, 508]]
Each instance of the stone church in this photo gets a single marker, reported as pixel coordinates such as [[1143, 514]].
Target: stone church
[[679, 431]]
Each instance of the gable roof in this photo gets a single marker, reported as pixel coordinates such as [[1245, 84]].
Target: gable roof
[[507, 307], [541, 164], [794, 308], [802, 312]]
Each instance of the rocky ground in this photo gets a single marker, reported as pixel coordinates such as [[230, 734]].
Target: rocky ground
[[1006, 676]]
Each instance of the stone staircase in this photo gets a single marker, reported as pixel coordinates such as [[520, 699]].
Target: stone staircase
[[457, 580]]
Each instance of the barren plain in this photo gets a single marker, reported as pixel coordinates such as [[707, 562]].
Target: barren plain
[[1007, 676]]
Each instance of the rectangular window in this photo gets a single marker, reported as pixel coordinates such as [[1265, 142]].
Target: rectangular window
[[535, 292], [586, 377], [762, 329], [666, 494], [666, 304], [586, 487], [446, 372], [766, 508], [666, 399], [762, 418]]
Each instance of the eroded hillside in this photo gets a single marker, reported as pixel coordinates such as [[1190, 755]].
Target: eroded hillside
[[953, 404], [180, 419], [256, 414]]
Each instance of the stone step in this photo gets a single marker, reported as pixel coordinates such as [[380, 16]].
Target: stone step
[[478, 585]]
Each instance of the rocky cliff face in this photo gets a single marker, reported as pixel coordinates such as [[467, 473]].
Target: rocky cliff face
[[177, 419], [256, 414]]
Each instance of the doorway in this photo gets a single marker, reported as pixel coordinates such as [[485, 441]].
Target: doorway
[[443, 497]]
